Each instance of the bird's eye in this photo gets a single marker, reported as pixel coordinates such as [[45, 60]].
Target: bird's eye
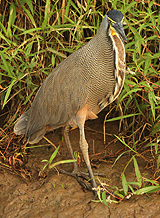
[[111, 21]]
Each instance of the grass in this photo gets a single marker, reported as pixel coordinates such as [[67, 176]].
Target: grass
[[37, 35], [141, 186], [49, 163]]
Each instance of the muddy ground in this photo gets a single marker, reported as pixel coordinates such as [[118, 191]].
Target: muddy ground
[[59, 195]]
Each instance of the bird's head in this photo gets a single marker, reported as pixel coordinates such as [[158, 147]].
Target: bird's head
[[115, 20]]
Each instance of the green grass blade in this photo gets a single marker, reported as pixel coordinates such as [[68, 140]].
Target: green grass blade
[[148, 189], [53, 155], [3, 28], [104, 198], [119, 157], [67, 10], [152, 102], [11, 20], [6, 64], [47, 9], [56, 52], [8, 92], [30, 16], [124, 184], [127, 145], [122, 117], [30, 5], [12, 15], [61, 162], [137, 172], [130, 92]]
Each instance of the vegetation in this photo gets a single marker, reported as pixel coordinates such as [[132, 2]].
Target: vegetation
[[49, 164], [36, 35], [141, 186]]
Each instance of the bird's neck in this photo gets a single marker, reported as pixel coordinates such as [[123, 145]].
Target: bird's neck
[[120, 61]]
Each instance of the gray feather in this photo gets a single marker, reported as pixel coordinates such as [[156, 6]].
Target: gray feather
[[86, 76], [20, 126]]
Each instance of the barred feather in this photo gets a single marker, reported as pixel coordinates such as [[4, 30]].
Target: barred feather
[[91, 75]]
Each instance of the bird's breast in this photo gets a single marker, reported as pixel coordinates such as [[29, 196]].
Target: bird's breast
[[120, 64], [115, 83]]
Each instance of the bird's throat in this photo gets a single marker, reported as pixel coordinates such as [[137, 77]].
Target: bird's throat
[[113, 32]]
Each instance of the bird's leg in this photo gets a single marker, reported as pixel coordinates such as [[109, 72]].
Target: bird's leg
[[76, 173], [67, 141], [84, 148]]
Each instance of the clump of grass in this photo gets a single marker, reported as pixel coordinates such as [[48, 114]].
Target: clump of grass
[[141, 186], [49, 165]]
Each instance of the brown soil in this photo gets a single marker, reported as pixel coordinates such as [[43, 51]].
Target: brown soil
[[60, 196]]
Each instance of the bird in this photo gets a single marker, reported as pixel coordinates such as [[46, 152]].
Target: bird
[[79, 88]]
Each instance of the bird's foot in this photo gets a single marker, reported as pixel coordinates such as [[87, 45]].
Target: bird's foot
[[83, 179], [80, 177]]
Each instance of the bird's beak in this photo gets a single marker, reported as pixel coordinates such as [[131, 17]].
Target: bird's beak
[[119, 28]]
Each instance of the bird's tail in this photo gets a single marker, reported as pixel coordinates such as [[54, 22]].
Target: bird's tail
[[20, 126]]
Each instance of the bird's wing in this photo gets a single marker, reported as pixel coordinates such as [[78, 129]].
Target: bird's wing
[[59, 98]]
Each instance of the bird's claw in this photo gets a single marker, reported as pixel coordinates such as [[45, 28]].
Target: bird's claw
[[80, 177]]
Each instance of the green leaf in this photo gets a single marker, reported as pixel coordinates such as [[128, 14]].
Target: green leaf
[[130, 82], [44, 161], [61, 162], [133, 183], [151, 38], [127, 105], [67, 10], [28, 48], [99, 195], [119, 157], [29, 15], [149, 189], [122, 117], [47, 9], [124, 184], [53, 60], [147, 67], [8, 92], [12, 14], [53, 155], [128, 7], [127, 145], [30, 31], [155, 146], [45, 166], [130, 92], [156, 55], [11, 20], [137, 172], [6, 64], [151, 98], [3, 28], [132, 190], [152, 182], [30, 5], [56, 52], [138, 106], [104, 198], [156, 128]]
